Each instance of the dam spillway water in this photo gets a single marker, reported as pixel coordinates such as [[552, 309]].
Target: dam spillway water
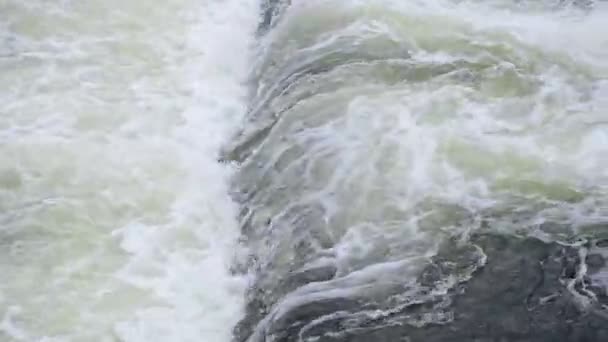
[[407, 171], [426, 171]]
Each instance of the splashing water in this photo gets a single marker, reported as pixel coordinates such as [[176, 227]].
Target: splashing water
[[115, 219], [383, 137]]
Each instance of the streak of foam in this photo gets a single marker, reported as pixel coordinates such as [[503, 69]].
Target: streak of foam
[[205, 299]]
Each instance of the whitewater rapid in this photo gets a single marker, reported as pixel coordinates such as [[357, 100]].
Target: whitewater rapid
[[312, 170], [115, 218]]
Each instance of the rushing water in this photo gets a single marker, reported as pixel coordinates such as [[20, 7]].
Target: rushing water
[[405, 166], [385, 138], [115, 218]]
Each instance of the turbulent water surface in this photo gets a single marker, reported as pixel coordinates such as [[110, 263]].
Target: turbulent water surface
[[115, 218], [405, 170], [426, 171]]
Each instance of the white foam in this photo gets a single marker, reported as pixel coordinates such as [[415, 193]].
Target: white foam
[[117, 111], [200, 299]]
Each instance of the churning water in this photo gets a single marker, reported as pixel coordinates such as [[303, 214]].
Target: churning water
[[386, 139], [115, 218], [388, 145]]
